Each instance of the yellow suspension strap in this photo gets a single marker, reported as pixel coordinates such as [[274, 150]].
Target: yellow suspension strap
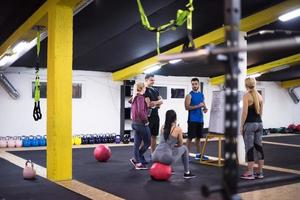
[[37, 115], [181, 17], [190, 40]]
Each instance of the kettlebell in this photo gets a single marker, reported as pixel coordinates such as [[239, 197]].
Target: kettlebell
[[11, 142], [3, 142], [19, 142], [29, 171], [34, 142], [118, 139], [77, 140]]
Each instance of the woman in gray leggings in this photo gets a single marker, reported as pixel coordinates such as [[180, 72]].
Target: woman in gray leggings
[[252, 129], [170, 148]]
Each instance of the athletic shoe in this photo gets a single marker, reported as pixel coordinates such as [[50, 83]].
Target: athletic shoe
[[188, 176], [198, 157], [247, 176], [133, 162], [140, 166], [259, 175]]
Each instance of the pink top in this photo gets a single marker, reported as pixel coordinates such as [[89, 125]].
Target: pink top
[[139, 110]]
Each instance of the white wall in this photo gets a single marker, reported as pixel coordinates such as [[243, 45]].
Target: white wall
[[178, 104], [98, 111], [279, 108]]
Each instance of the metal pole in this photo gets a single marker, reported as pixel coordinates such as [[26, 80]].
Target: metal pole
[[230, 170], [203, 54]]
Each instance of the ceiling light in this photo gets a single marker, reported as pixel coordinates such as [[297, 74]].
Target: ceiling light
[[290, 15], [4, 60], [152, 69], [21, 46], [175, 61], [279, 68], [254, 75]]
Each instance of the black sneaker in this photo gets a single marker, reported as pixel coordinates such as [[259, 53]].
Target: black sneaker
[[133, 162], [188, 176]]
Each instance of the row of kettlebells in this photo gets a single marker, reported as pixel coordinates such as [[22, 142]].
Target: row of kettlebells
[[23, 141]]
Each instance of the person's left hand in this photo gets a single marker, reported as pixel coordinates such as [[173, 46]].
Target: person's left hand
[[205, 110], [152, 104]]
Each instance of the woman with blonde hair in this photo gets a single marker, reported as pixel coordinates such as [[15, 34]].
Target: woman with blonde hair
[[139, 113], [252, 129]]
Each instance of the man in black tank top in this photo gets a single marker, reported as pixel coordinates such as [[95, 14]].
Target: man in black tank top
[[154, 100]]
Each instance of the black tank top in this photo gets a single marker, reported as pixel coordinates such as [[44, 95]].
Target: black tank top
[[252, 115]]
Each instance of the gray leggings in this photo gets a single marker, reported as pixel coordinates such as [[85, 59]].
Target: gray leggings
[[253, 132], [183, 153], [162, 154]]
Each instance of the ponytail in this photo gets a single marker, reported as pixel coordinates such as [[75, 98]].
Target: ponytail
[[250, 84], [255, 97]]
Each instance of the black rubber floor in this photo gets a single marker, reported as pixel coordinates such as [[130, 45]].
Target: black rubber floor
[[282, 156], [13, 186], [118, 177], [295, 139]]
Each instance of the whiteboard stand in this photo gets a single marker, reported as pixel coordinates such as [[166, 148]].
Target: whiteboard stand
[[220, 161]]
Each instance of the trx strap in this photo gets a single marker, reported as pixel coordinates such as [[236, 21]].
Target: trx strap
[[181, 17], [37, 110]]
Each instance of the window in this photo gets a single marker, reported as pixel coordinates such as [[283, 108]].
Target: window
[[162, 91], [76, 90], [177, 93]]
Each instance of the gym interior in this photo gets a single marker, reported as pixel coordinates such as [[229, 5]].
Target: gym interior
[[67, 71]]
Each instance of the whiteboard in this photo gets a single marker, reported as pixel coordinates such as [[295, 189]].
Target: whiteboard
[[217, 113]]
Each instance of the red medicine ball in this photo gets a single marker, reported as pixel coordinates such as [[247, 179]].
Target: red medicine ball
[[102, 153], [298, 128], [160, 172]]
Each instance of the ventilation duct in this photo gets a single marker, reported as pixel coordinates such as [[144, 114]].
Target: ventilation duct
[[8, 87], [293, 95]]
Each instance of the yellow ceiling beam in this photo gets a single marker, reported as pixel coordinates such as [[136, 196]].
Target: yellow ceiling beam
[[291, 83], [217, 36], [262, 68], [26, 32]]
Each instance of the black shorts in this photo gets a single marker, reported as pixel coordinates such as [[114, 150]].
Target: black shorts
[[195, 130], [154, 125]]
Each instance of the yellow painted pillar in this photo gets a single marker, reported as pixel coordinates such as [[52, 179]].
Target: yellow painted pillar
[[59, 92]]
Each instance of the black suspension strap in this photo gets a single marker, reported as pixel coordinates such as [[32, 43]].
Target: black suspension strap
[[37, 114]]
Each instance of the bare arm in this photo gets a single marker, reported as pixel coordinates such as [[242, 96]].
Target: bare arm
[[156, 103], [204, 107], [245, 111], [261, 103], [180, 137], [148, 102], [187, 103]]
